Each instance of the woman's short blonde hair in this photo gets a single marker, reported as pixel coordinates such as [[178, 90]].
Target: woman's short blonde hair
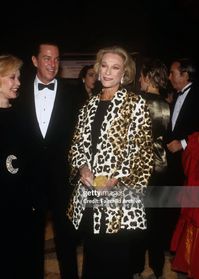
[[8, 63], [129, 64]]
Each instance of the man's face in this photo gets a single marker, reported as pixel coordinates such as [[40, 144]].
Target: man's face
[[47, 63]]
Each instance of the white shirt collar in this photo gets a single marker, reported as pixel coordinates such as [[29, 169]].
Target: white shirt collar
[[186, 86]]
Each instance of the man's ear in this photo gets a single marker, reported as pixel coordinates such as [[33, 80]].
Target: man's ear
[[34, 61]]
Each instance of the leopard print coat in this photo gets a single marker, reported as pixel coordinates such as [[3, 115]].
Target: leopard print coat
[[124, 151]]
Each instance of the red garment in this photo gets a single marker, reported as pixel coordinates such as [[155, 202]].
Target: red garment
[[185, 240], [190, 160]]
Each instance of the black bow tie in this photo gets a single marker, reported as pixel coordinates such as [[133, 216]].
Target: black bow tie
[[185, 90], [49, 86]]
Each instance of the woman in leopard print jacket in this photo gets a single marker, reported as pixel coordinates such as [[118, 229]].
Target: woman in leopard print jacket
[[112, 157]]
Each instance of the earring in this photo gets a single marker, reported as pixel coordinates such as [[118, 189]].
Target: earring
[[122, 80], [99, 77]]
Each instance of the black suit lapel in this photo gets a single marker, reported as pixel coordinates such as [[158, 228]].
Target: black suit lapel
[[32, 112], [54, 119], [183, 112]]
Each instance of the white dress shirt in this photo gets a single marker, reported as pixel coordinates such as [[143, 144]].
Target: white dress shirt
[[44, 102], [178, 105]]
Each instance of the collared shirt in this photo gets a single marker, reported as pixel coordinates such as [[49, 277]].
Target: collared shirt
[[44, 102], [178, 105]]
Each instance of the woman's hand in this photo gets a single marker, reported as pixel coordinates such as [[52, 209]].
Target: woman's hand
[[86, 176], [111, 182]]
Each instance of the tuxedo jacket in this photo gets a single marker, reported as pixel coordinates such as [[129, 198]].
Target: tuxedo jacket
[[188, 118], [47, 167], [186, 124]]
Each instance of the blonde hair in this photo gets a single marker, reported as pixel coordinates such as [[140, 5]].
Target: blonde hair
[[8, 63], [129, 64]]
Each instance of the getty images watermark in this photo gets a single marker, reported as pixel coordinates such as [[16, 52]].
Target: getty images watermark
[[153, 196]]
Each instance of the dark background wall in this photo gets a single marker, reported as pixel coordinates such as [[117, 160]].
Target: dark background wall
[[164, 28]]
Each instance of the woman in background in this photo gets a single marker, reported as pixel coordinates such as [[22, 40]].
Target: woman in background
[[153, 79], [87, 81]]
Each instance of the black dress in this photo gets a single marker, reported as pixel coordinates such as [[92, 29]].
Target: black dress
[[15, 206]]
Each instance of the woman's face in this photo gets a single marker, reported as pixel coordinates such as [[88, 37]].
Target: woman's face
[[90, 79], [111, 70], [9, 85]]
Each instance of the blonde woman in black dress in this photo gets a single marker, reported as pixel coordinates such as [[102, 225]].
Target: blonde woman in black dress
[[15, 208]]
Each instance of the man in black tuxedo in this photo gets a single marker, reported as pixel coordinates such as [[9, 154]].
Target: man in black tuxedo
[[184, 121], [184, 116], [48, 112]]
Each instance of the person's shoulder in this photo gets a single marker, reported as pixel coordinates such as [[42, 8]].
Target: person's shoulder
[[66, 87], [164, 102], [193, 96], [64, 82], [195, 89]]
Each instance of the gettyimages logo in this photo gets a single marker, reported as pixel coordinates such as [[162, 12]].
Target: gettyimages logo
[[154, 197]]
